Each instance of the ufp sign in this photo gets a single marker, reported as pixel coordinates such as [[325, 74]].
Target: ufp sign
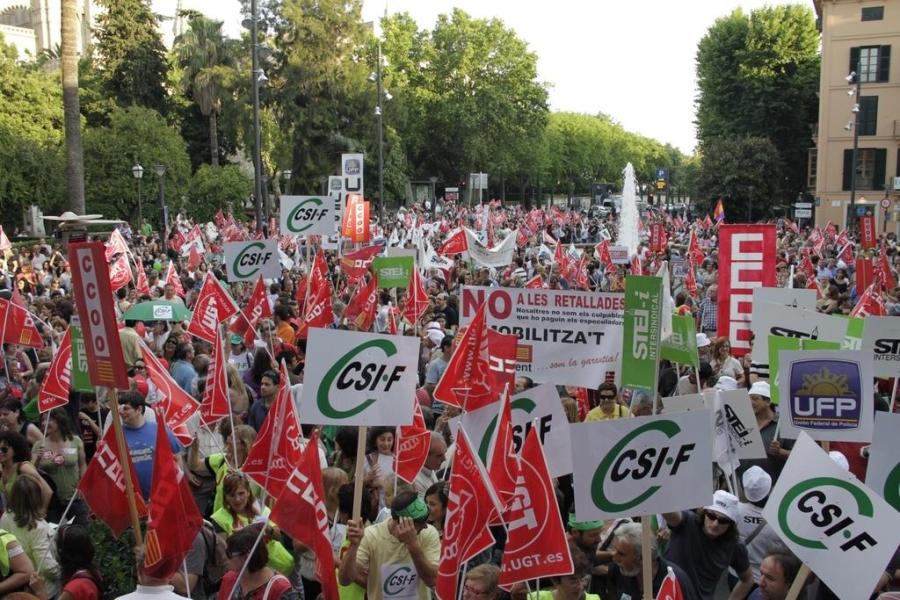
[[355, 378], [641, 466], [246, 261], [832, 522], [307, 215]]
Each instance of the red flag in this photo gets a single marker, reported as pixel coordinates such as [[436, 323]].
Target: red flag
[[176, 404], [57, 383], [830, 229], [846, 253], [411, 447], [393, 314], [707, 222], [173, 280], [815, 236], [356, 264], [363, 306], [690, 279], [319, 272], [536, 545], [670, 589], [602, 250], [636, 267], [103, 486], [865, 274], [807, 267], [883, 269], [502, 352], [561, 258], [18, 325], [812, 285], [472, 501], [694, 250], [468, 381], [119, 273], [277, 447], [792, 226], [5, 244], [456, 243], [142, 285], [213, 306], [658, 238], [216, 403], [842, 238], [581, 276], [416, 298], [536, 282], [300, 295], [194, 258], [319, 312], [257, 308], [503, 467], [870, 304], [115, 245], [174, 519]]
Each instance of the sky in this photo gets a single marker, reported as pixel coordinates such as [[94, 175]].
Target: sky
[[632, 60]]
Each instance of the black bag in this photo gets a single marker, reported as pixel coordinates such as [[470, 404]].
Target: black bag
[[216, 565]]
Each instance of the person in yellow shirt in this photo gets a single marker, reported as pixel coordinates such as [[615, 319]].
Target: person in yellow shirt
[[608, 407]]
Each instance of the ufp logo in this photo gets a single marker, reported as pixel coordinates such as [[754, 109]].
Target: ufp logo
[[352, 378], [824, 513], [250, 260], [637, 458], [399, 580], [305, 215], [825, 394]]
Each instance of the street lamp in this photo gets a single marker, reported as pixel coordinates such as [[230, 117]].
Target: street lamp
[[160, 171], [257, 78], [433, 181], [379, 115], [854, 77], [138, 172]]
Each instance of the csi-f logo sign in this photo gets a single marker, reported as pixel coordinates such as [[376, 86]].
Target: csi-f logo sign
[[306, 214], [634, 458], [250, 260], [825, 394], [399, 580], [352, 376], [824, 512]]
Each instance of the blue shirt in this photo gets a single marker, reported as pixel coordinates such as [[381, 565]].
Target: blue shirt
[[141, 446], [184, 375]]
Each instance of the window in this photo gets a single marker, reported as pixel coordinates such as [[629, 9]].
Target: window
[[870, 168], [812, 168], [868, 115], [873, 13], [873, 63]]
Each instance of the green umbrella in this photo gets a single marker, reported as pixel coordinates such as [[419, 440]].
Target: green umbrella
[[158, 310]]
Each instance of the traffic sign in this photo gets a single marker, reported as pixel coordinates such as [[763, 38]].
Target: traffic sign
[[885, 203], [803, 213], [802, 204]]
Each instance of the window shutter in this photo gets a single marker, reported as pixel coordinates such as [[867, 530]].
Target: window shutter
[[880, 163], [854, 61], [884, 63], [848, 166]]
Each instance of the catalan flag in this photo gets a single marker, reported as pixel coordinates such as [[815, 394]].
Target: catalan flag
[[719, 212]]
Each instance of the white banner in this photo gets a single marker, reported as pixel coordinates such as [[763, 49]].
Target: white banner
[[246, 261], [686, 403], [790, 297], [565, 337], [307, 215], [843, 531], [738, 413], [881, 340], [883, 473], [354, 378], [541, 404], [642, 466], [337, 193], [777, 319], [498, 256], [827, 394]]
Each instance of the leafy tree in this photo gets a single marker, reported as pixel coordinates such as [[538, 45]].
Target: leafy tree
[[131, 55], [744, 171], [213, 188]]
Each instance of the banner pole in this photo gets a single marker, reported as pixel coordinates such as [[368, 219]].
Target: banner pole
[[230, 410], [358, 473], [646, 560], [237, 580], [894, 395], [799, 582], [125, 463]]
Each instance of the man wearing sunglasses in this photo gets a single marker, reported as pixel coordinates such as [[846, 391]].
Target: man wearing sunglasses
[[705, 543]]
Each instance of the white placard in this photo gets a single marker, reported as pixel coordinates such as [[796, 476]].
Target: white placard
[[307, 215], [246, 261], [881, 339], [738, 413], [541, 403], [686, 403], [565, 337], [355, 378], [778, 319], [826, 394], [619, 254], [883, 473], [641, 466], [842, 530]]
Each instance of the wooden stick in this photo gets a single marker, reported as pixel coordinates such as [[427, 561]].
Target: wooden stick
[[894, 395], [799, 582], [358, 474], [125, 462], [646, 559]]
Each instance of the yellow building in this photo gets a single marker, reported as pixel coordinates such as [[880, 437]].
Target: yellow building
[[858, 36]]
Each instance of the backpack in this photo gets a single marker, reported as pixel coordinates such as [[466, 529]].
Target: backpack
[[216, 564]]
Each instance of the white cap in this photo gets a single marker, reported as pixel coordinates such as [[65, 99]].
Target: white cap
[[702, 340], [726, 383], [757, 483], [760, 388], [840, 459], [725, 504]]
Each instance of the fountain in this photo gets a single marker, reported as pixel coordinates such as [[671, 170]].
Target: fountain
[[629, 215]]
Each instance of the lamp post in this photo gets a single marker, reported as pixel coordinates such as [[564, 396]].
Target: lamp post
[[160, 171], [433, 181], [138, 172], [287, 178], [380, 120], [854, 77], [258, 77]]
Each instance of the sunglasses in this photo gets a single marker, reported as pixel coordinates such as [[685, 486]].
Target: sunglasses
[[718, 519], [607, 396]]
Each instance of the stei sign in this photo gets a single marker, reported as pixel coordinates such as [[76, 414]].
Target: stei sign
[[307, 215], [246, 261]]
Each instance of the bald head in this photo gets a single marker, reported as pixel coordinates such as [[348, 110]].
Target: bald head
[[437, 451]]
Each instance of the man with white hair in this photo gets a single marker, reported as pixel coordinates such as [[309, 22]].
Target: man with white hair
[[753, 531], [625, 576]]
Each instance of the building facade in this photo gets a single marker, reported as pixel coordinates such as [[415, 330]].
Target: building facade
[[858, 37], [34, 26]]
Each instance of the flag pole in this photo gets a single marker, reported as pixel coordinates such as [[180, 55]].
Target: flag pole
[[894, 395], [237, 580], [646, 559], [358, 472], [799, 582], [125, 463]]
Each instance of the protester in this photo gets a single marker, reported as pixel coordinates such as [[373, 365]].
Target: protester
[[757, 535], [259, 581], [608, 407], [140, 437], [481, 583], [12, 419], [15, 457], [776, 575], [437, 451], [625, 576], [268, 391], [436, 498], [25, 520], [61, 456]]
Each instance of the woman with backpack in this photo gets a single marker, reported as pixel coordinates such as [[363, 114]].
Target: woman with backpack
[[79, 576], [258, 582]]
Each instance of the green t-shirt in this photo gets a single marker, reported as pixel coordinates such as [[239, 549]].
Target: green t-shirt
[[61, 466]]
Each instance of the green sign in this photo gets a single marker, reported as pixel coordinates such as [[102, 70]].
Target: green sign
[[854, 336], [681, 346], [81, 380], [393, 271], [640, 350], [778, 343]]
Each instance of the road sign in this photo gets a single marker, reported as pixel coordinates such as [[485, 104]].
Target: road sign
[[802, 213], [802, 204], [885, 203]]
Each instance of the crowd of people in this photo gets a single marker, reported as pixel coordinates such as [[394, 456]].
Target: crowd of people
[[724, 548]]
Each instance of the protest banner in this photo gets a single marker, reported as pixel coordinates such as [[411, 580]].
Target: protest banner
[[738, 414], [853, 339], [246, 261], [777, 319], [57, 384], [498, 256], [867, 234], [881, 340], [641, 466], [685, 403], [681, 346], [619, 254], [746, 262], [777, 344], [355, 378], [307, 215], [538, 405], [81, 379], [355, 225], [640, 342], [565, 337], [883, 471], [833, 523], [829, 395], [393, 271]]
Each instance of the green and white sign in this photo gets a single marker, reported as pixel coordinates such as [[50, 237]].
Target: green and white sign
[[246, 261], [777, 344], [81, 379], [393, 271], [307, 215], [853, 339], [883, 473], [355, 378], [642, 466], [681, 346], [640, 345], [835, 524]]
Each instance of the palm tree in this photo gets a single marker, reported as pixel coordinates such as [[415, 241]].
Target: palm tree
[[207, 59], [72, 109]]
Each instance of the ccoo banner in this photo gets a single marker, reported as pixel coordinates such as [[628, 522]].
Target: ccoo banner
[[307, 215], [355, 378], [246, 261], [832, 522], [881, 340], [641, 466], [883, 472]]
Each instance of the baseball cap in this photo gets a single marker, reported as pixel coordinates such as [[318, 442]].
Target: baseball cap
[[725, 504], [236, 339], [703, 340], [726, 383], [760, 388], [757, 483], [840, 459]]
